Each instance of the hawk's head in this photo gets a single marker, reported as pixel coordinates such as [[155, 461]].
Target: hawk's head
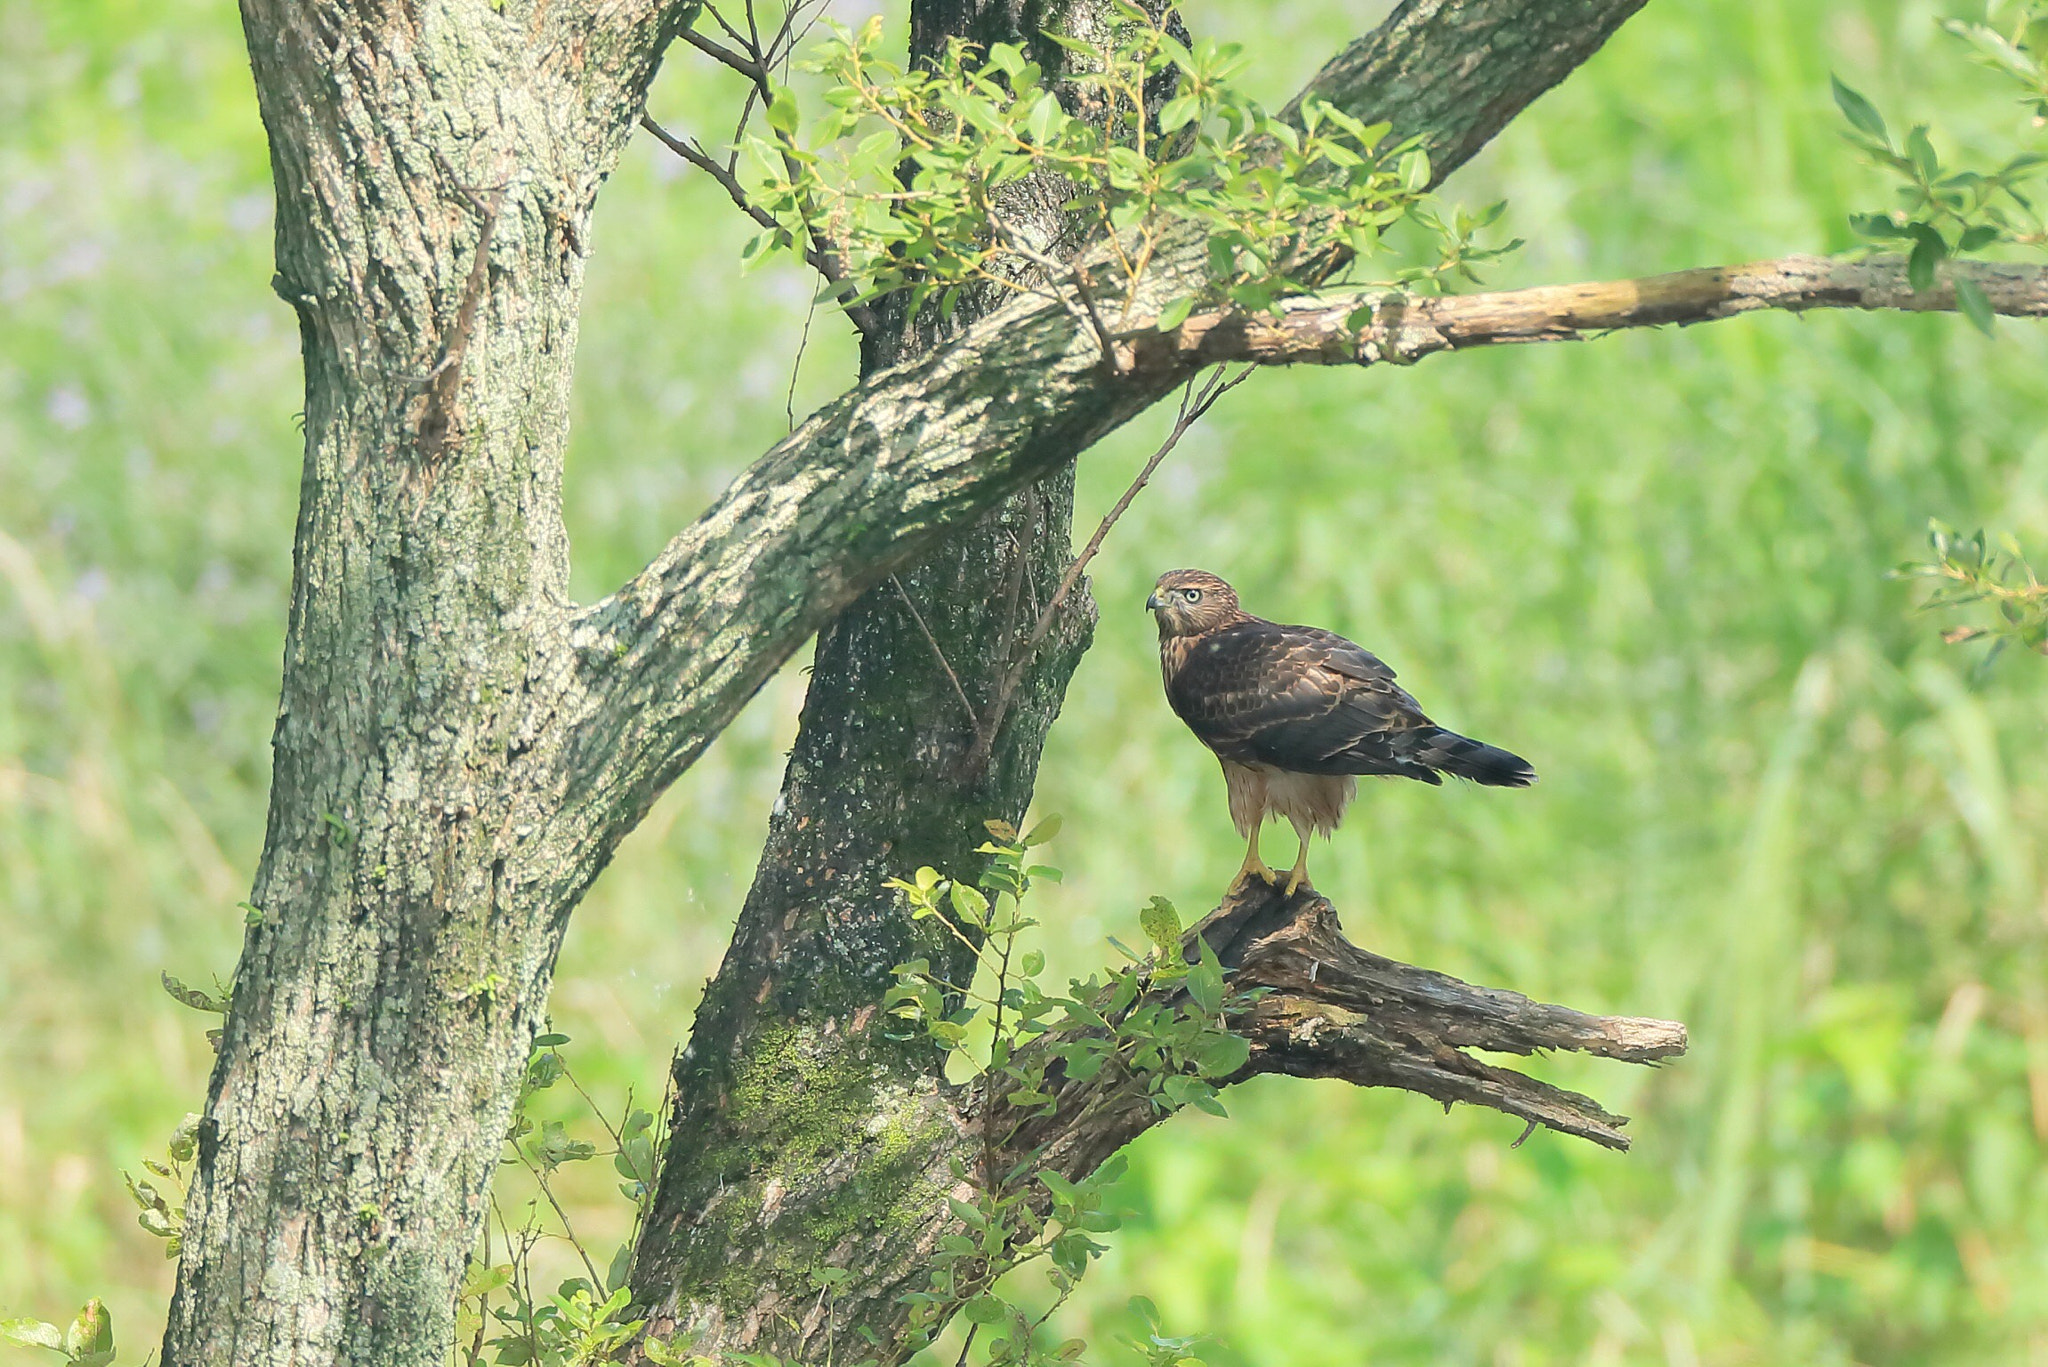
[[1190, 602]]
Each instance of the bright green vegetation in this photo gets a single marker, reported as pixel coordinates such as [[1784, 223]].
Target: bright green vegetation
[[1771, 803], [1266, 193]]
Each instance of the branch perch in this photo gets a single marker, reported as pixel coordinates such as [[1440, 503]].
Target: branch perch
[[1402, 329], [1335, 1010], [1331, 1009]]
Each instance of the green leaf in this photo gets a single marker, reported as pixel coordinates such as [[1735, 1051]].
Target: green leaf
[[33, 1334], [782, 113], [1971, 302], [1175, 313], [1922, 153], [1162, 924], [1045, 116], [1222, 1054], [621, 1265], [1006, 58], [986, 1309], [1205, 984], [89, 1342], [482, 1281], [185, 1139], [1928, 251], [1178, 112], [1862, 115], [193, 997], [1977, 236], [970, 904], [1059, 1186], [1415, 170]]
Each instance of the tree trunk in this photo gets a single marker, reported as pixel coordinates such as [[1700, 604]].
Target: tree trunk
[[803, 1137], [436, 169]]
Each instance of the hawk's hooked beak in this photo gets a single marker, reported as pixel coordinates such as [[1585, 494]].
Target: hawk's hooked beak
[[1155, 602]]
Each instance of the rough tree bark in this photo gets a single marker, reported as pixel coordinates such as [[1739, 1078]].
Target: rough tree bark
[[436, 168], [459, 749]]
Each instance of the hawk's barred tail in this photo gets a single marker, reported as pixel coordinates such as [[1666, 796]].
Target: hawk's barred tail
[[1463, 757]]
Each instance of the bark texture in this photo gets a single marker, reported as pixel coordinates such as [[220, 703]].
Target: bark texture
[[435, 167]]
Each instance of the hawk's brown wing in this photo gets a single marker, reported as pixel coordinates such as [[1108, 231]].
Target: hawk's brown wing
[[1301, 699]]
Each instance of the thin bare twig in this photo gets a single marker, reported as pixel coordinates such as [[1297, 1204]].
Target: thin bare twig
[[711, 47], [756, 61], [972, 719], [796, 366], [541, 1181], [689, 151], [1085, 312], [722, 22], [818, 257], [1195, 401]]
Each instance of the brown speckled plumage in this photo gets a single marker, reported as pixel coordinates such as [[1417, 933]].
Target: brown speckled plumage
[[1296, 713]]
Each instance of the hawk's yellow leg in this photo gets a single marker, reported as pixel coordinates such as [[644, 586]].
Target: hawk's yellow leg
[[1253, 865], [1297, 877]]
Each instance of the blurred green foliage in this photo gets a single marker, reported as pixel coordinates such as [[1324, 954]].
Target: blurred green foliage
[[1944, 211], [1771, 803]]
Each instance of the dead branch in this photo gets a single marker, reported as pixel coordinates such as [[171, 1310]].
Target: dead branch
[[1331, 1009], [1371, 326]]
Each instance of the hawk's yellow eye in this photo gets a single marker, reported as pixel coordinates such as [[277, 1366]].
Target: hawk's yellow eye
[[1192, 595]]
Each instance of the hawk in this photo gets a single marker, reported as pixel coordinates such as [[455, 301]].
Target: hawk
[[1296, 714]]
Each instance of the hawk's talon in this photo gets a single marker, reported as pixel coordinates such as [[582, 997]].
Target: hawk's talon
[[1297, 877], [1258, 871]]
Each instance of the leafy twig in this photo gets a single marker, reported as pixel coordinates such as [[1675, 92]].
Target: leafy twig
[[1965, 570]]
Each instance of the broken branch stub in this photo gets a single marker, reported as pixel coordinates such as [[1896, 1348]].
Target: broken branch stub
[[1331, 1009], [1326, 1008]]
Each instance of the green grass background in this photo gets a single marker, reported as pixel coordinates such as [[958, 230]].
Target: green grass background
[[1772, 804]]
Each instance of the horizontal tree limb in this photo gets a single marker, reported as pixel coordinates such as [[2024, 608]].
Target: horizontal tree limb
[[1399, 328]]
